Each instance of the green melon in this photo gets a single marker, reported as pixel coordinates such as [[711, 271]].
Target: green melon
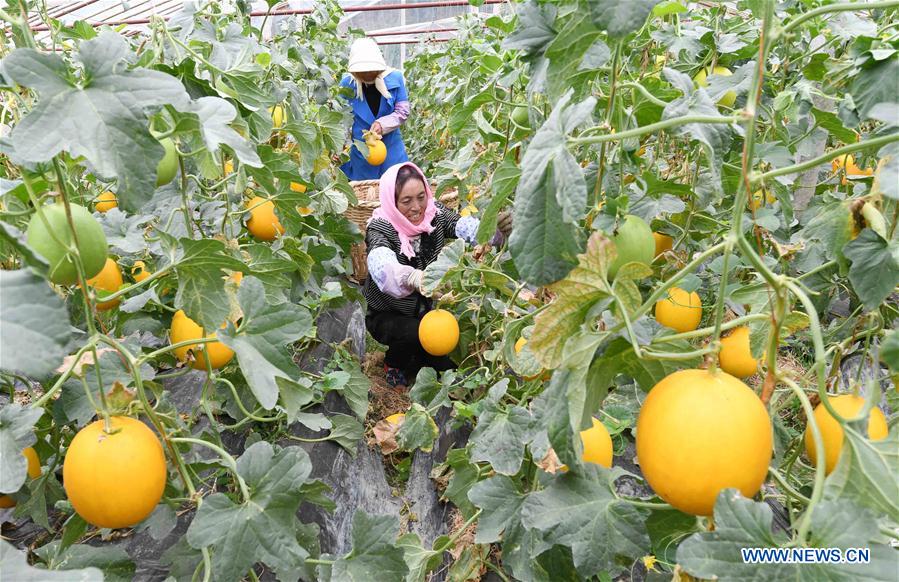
[[168, 165], [91, 242], [634, 243]]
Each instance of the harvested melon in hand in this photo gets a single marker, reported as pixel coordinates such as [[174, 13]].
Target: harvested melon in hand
[[377, 151]]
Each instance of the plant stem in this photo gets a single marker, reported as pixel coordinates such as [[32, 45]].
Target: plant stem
[[709, 330], [826, 157], [719, 306], [818, 269], [459, 532], [645, 92], [787, 487], [226, 457], [240, 405], [134, 367], [65, 376], [126, 290], [845, 7], [653, 127], [646, 504], [818, 342], [818, 488], [185, 343], [663, 288]]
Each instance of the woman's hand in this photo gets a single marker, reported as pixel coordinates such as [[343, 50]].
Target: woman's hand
[[377, 129], [504, 223], [414, 280]]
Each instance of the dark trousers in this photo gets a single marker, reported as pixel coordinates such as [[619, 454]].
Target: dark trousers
[[400, 334]]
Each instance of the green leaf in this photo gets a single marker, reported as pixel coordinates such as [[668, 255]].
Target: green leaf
[[535, 27], [558, 413], [625, 287], [866, 473], [886, 177], [869, 89], [35, 330], [667, 7], [568, 51], [647, 372], [355, 391], [125, 232], [488, 132], [160, 523], [464, 475], [259, 529], [575, 297], [889, 350], [816, 69], [502, 185], [548, 146], [419, 560], [201, 281], [571, 189], [715, 136], [15, 238], [36, 496], [375, 556], [875, 267], [834, 125], [418, 431], [463, 111], [103, 119], [596, 56], [262, 343], [215, 115], [743, 523], [666, 528], [113, 561], [580, 511], [429, 390], [739, 82], [448, 261], [14, 565], [543, 246], [621, 18], [500, 438], [469, 563], [529, 557], [830, 226], [16, 434], [500, 500], [346, 431], [314, 492], [74, 528], [525, 363]]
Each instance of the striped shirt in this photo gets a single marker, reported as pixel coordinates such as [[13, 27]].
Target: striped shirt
[[380, 233]]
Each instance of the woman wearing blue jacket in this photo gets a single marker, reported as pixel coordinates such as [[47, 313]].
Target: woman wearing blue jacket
[[380, 105]]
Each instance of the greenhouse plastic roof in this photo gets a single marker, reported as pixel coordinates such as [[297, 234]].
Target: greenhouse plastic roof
[[135, 14]]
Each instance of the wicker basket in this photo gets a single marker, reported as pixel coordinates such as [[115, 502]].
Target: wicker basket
[[367, 193]]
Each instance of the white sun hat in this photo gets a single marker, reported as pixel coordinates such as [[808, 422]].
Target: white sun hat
[[366, 56]]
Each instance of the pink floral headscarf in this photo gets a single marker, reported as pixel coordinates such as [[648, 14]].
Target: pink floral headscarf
[[389, 212]]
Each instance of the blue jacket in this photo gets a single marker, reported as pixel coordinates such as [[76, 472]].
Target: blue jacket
[[357, 168]]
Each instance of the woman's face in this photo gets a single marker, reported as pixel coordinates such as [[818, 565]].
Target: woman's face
[[412, 200], [368, 76]]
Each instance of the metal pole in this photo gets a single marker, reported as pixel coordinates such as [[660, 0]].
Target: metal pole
[[416, 41], [379, 8], [402, 46], [405, 32]]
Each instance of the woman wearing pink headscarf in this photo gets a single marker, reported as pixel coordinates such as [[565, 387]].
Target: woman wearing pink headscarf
[[404, 236]]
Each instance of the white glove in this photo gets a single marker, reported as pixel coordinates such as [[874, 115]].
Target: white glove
[[414, 280]]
